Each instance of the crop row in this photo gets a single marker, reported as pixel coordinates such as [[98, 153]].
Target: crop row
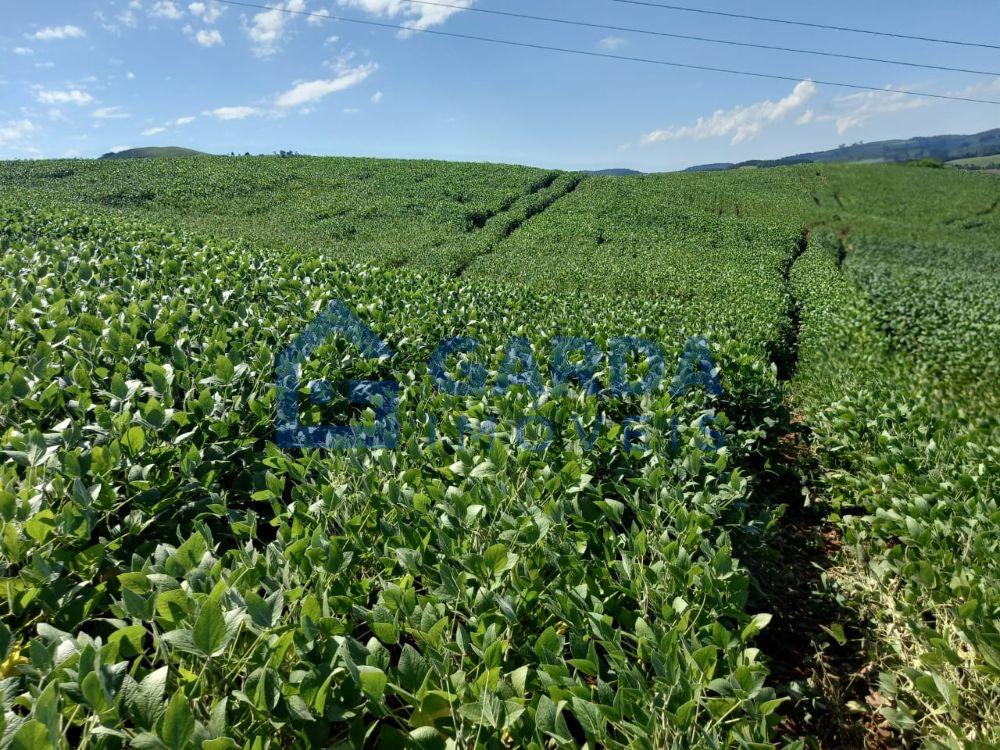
[[633, 239], [384, 211], [908, 438], [172, 579], [939, 303]]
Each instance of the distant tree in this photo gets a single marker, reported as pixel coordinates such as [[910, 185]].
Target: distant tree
[[925, 162]]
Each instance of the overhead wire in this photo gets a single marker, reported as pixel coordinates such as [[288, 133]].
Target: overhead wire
[[828, 27], [606, 55], [692, 37]]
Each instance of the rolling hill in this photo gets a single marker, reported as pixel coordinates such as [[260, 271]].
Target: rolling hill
[[992, 161], [940, 147], [768, 519], [152, 152]]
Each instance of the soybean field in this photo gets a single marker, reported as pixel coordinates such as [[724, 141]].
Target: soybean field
[[781, 533]]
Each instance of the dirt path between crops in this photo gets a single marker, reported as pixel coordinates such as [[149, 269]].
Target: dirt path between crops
[[816, 646], [569, 186]]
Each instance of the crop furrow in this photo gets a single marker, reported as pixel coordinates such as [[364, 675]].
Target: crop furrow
[[785, 351], [503, 225]]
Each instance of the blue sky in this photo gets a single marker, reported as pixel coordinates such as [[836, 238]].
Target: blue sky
[[83, 77]]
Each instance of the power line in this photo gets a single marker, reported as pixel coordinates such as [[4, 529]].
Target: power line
[[828, 27], [605, 55], [731, 42]]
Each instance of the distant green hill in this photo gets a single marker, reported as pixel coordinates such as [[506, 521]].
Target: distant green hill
[[977, 162], [614, 172], [940, 147], [152, 152]]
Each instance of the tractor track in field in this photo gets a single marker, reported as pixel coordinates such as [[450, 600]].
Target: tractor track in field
[[502, 225], [975, 215], [480, 222], [786, 352], [824, 673]]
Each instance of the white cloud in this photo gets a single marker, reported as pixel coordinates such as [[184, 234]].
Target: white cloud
[[209, 37], [73, 96], [268, 28], [15, 132], [310, 91], [166, 9], [208, 12], [351, 110], [119, 149], [376, 97], [110, 113], [611, 43], [23, 51], [233, 113], [742, 122], [109, 26], [126, 18], [50, 33], [854, 109], [342, 63], [415, 16], [182, 121], [318, 17], [130, 75], [806, 117], [980, 90], [332, 39]]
